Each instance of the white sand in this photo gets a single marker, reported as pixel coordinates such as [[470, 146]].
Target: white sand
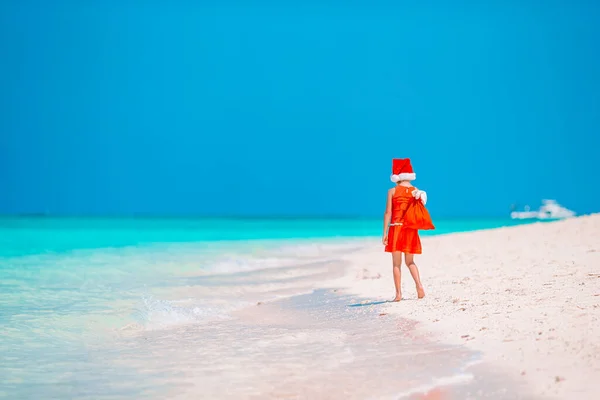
[[528, 297]]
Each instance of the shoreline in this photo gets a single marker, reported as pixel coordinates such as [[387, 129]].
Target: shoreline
[[321, 345], [481, 288], [526, 296]]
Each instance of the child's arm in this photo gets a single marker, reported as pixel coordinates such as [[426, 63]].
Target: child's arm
[[387, 216], [420, 195]]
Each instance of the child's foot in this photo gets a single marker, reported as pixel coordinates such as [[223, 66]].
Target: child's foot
[[420, 292], [398, 298]]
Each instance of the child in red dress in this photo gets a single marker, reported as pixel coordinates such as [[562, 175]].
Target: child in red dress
[[405, 214]]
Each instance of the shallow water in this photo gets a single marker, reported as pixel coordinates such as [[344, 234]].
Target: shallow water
[[78, 302], [306, 347], [314, 346]]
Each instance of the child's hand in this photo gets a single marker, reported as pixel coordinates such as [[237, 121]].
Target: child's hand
[[420, 195]]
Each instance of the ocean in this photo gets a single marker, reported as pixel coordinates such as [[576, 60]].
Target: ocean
[[99, 308]]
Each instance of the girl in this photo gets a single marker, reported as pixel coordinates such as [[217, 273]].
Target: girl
[[405, 214]]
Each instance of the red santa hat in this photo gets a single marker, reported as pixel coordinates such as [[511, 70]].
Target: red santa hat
[[402, 170]]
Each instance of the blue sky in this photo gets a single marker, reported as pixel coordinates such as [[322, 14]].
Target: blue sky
[[206, 109]]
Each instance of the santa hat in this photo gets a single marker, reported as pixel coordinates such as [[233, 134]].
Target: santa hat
[[402, 170]]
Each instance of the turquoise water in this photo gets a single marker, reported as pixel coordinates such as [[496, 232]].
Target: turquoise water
[[22, 236], [68, 285]]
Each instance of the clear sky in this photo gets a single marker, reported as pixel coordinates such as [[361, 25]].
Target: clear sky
[[118, 107]]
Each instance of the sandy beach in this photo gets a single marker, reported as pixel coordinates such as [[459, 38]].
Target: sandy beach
[[527, 297]]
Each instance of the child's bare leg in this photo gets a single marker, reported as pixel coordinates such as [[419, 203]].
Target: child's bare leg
[[397, 263], [414, 271]]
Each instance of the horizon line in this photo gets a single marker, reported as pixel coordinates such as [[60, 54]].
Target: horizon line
[[222, 216]]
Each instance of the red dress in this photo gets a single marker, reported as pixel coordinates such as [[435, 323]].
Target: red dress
[[408, 216]]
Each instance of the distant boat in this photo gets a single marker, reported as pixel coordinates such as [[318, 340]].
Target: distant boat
[[550, 209]]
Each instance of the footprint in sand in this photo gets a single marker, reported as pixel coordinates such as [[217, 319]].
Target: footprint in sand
[[366, 274]]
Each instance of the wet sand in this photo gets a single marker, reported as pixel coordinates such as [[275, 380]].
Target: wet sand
[[316, 346]]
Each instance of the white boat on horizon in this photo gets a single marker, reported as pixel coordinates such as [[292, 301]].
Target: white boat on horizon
[[550, 209]]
